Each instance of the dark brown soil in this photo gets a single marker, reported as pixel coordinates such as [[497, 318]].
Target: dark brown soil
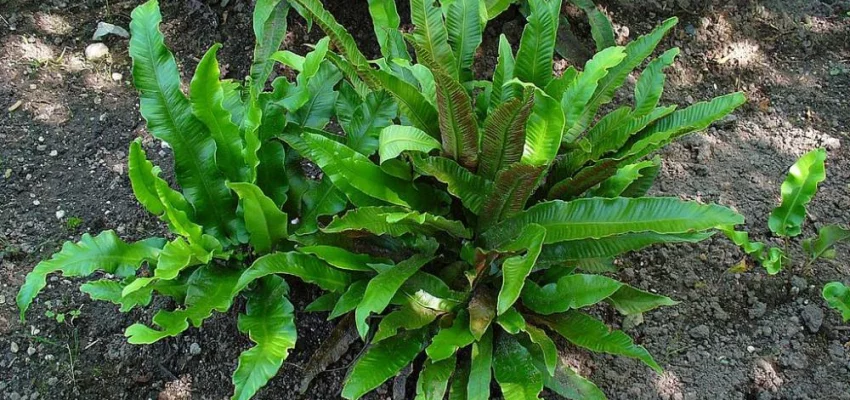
[[734, 336]]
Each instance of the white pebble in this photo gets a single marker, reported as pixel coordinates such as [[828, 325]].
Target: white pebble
[[60, 214], [96, 51], [751, 349], [30, 351], [117, 76], [36, 203], [13, 347], [54, 153]]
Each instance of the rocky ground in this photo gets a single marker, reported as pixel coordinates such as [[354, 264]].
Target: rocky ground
[[66, 121]]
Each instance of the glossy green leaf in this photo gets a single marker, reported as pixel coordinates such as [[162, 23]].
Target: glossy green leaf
[[585, 331], [480, 367], [598, 218], [104, 252], [269, 321], [383, 287], [342, 41], [431, 34], [650, 85], [210, 288], [578, 96], [471, 189], [386, 22], [516, 269], [411, 102], [838, 297], [544, 130], [449, 340], [463, 24], [269, 24], [504, 136], [636, 51], [511, 191], [799, 187], [263, 219], [536, 49], [395, 221], [612, 246], [433, 381], [824, 245], [569, 293], [546, 346], [629, 301], [458, 127], [600, 26], [109, 290], [625, 177], [511, 321], [207, 99], [320, 199], [396, 139], [514, 369], [349, 300], [340, 258], [382, 361], [568, 383], [175, 256], [410, 316], [318, 110], [771, 258], [313, 59], [169, 117], [368, 121], [503, 73], [324, 303], [307, 268], [143, 179]]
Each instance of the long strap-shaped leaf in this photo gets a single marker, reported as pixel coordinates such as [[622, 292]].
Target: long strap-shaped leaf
[[383, 287], [514, 369], [458, 126], [636, 52], [263, 219], [799, 187], [544, 130], [577, 97], [340, 38], [598, 218], [650, 85], [471, 189], [269, 30], [170, 119], [516, 269], [104, 252], [306, 267], [411, 102], [600, 26], [430, 34], [383, 361], [207, 97], [269, 321], [397, 139], [612, 246], [511, 191], [504, 136], [537, 46], [588, 332], [463, 23], [395, 221], [504, 72], [386, 22]]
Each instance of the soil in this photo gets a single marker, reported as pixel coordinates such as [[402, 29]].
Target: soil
[[742, 335]]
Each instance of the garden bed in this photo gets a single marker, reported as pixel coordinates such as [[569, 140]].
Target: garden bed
[[734, 336]]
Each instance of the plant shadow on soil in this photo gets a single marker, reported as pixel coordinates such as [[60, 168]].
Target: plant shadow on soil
[[734, 336]]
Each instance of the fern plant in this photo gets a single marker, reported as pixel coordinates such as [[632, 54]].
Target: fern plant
[[503, 202], [786, 222], [239, 191]]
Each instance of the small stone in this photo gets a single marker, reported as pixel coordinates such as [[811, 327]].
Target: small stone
[[33, 86], [49, 357], [34, 396], [799, 283], [14, 347], [812, 317], [41, 147], [60, 214], [700, 332], [117, 76], [751, 349], [96, 51], [30, 351], [195, 349], [119, 168], [14, 396], [52, 381], [2, 299], [54, 153], [36, 203], [41, 139]]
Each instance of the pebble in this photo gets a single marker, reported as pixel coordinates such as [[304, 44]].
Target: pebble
[[2, 299], [117, 76], [14, 396], [52, 381], [751, 349], [14, 347], [60, 214], [812, 317], [194, 349], [30, 350], [700, 332], [36, 203], [54, 153], [96, 51]]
